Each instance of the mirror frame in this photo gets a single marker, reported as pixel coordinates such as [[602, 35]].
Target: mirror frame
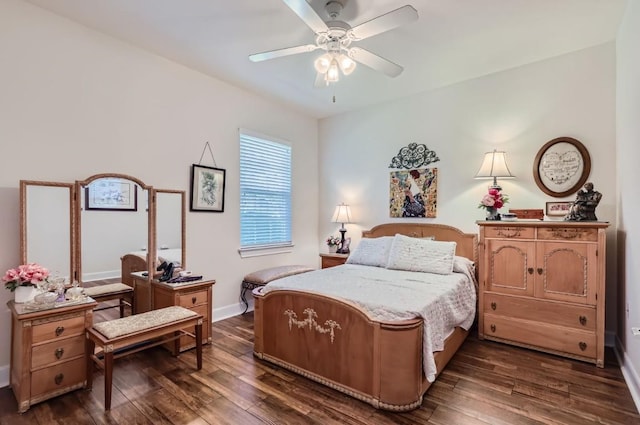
[[183, 224], [151, 213], [72, 221]]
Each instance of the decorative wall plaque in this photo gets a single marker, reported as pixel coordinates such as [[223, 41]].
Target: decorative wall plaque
[[561, 167]]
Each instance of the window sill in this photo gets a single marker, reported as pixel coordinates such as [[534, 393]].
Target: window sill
[[259, 251]]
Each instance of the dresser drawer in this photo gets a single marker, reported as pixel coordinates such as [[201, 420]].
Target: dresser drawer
[[574, 316], [58, 377], [556, 338], [509, 232], [63, 328], [192, 299], [568, 234], [57, 351]]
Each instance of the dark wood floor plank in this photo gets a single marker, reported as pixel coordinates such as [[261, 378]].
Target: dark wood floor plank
[[485, 383]]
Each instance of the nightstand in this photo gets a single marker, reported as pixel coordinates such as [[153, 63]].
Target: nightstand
[[332, 260]]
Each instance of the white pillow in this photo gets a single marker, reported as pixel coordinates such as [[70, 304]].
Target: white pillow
[[371, 252], [421, 255]]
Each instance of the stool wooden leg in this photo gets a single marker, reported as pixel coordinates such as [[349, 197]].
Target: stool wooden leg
[[199, 345], [108, 379]]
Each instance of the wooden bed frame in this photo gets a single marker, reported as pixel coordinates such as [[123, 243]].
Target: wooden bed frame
[[377, 362], [131, 263]]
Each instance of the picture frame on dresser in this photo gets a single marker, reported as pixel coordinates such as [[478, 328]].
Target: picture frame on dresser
[[557, 209]]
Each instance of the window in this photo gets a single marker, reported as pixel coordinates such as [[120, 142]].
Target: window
[[265, 193]]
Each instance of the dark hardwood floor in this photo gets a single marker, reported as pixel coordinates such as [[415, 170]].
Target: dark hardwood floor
[[485, 383]]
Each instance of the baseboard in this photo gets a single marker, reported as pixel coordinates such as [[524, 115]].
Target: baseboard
[[228, 311], [631, 376], [109, 274]]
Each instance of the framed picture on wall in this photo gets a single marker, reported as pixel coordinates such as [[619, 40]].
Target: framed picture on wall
[[111, 194], [207, 188]]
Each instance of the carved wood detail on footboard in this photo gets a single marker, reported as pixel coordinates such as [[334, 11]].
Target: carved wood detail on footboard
[[130, 263], [336, 344]]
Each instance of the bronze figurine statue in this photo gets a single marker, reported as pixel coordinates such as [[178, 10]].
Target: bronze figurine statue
[[584, 207]]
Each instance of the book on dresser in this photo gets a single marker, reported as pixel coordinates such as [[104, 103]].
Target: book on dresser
[[542, 286]]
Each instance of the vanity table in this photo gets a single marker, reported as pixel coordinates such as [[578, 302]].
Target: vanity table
[[48, 354], [196, 296]]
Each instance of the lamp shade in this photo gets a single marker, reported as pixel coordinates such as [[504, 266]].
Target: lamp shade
[[494, 165], [342, 214]]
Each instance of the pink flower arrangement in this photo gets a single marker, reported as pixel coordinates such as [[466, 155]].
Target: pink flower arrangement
[[25, 275], [493, 200], [333, 240]]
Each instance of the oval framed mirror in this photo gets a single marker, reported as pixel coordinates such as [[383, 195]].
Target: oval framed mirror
[[115, 218]]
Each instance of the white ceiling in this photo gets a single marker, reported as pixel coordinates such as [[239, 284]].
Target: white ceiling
[[452, 41]]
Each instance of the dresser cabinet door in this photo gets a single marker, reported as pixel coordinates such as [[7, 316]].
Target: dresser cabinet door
[[566, 272], [510, 267]]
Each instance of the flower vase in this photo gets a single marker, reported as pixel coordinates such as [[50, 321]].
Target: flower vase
[[333, 249], [24, 293], [492, 214]]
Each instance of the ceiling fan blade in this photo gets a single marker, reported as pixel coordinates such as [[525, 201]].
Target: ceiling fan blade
[[307, 14], [375, 62], [385, 22], [272, 54]]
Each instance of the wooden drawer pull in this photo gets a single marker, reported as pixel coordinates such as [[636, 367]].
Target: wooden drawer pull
[[59, 330], [530, 270], [583, 320], [58, 379], [493, 328], [493, 305], [193, 300], [540, 270], [59, 353], [582, 345]]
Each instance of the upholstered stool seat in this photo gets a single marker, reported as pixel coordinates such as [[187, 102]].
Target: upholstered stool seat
[[119, 337], [111, 291], [264, 276]]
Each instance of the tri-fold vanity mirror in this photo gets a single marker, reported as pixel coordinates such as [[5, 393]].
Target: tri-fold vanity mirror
[[102, 228]]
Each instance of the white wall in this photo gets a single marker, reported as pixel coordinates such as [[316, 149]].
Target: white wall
[[628, 173], [76, 103], [518, 111]]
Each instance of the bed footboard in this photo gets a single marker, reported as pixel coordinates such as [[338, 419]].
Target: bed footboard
[[338, 345], [131, 263]]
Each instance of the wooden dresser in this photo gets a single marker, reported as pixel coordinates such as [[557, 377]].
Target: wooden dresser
[[196, 296], [542, 286], [48, 355]]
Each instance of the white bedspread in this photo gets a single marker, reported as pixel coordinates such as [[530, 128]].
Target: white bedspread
[[443, 301]]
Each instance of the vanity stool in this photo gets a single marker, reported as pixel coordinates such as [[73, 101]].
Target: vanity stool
[[262, 277], [111, 291]]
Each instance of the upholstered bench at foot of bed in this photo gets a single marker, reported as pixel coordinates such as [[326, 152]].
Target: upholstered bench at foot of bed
[[119, 337], [264, 276], [111, 291]]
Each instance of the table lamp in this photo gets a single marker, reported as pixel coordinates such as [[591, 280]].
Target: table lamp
[[342, 215]]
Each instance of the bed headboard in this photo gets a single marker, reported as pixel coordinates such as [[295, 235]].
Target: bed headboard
[[466, 243]]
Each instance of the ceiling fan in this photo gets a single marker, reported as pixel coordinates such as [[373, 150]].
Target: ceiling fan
[[335, 38]]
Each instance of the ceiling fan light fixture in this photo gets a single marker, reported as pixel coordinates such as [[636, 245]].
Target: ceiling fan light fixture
[[347, 65], [333, 73], [322, 63]]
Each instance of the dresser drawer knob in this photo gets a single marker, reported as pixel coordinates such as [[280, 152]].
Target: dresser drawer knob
[[530, 270], [582, 345], [493, 306], [58, 378], [493, 328], [193, 300], [59, 353], [583, 320], [540, 270], [59, 330]]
